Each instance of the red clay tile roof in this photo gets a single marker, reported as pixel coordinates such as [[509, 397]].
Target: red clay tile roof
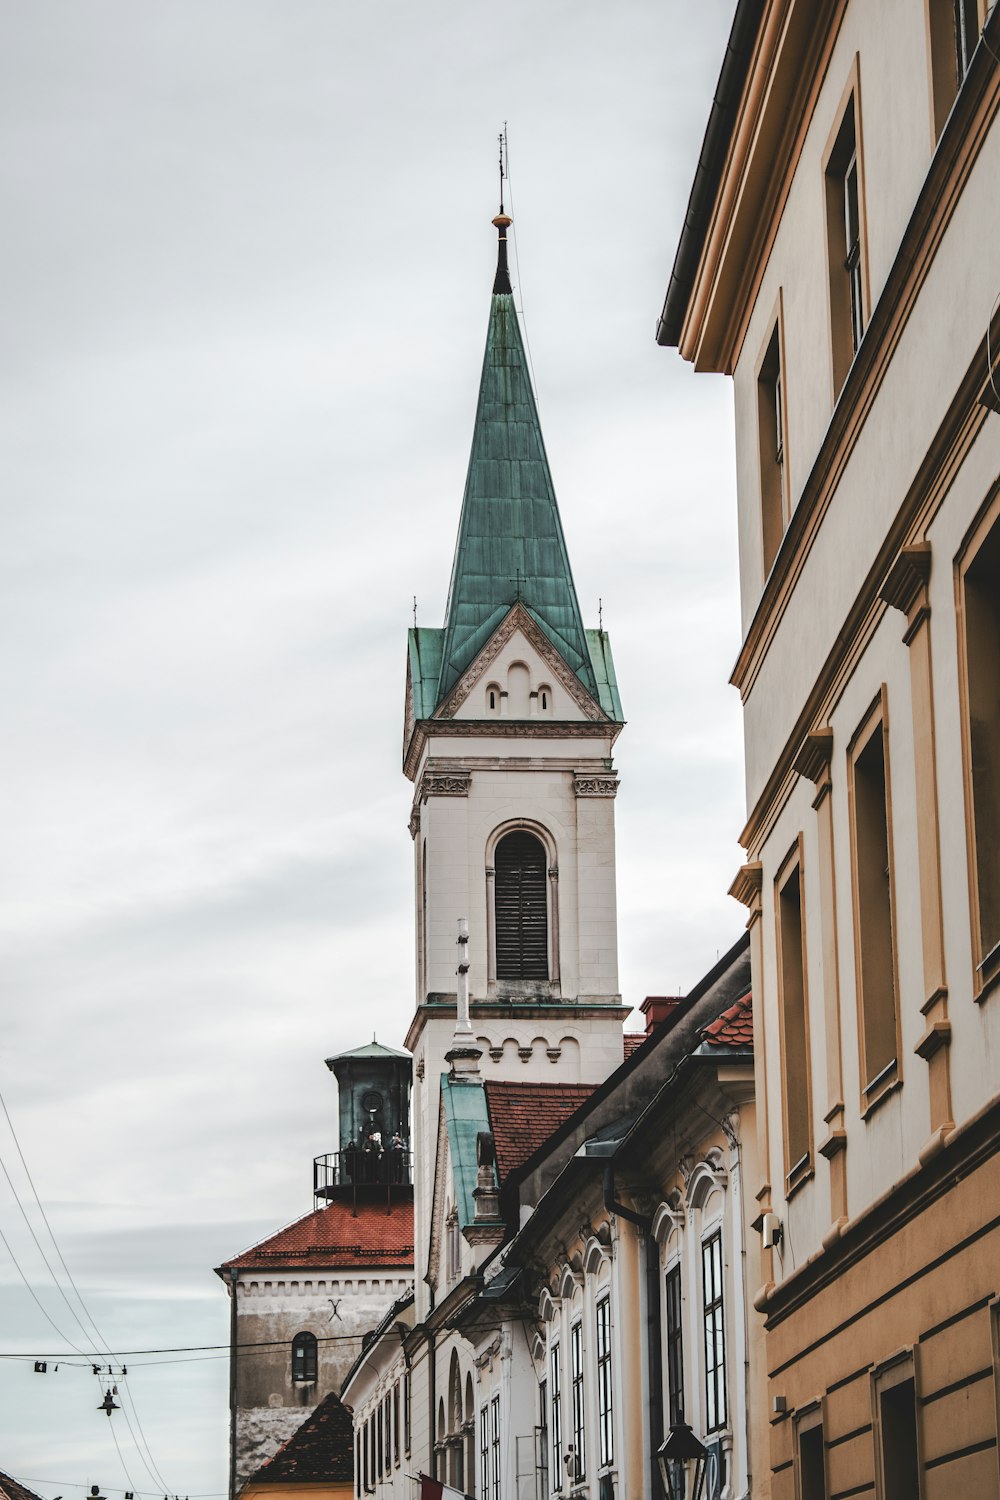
[[524, 1115], [11, 1490], [734, 1028], [322, 1448], [334, 1238], [633, 1041]]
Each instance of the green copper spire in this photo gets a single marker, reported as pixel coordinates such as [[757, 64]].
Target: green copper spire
[[510, 539]]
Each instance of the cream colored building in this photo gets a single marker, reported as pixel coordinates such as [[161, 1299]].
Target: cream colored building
[[840, 259]]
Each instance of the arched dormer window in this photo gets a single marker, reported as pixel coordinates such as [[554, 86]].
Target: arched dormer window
[[304, 1358], [522, 934]]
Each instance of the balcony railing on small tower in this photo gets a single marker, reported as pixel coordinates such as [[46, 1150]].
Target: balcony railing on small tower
[[363, 1176]]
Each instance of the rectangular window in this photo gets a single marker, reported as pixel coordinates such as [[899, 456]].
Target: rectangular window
[[555, 1383], [715, 1333], [406, 1412], [484, 1452], [795, 1074], [576, 1356], [387, 1408], [810, 1454], [979, 575], [874, 932], [894, 1393], [675, 1347], [605, 1394], [774, 504], [954, 33], [395, 1424], [542, 1440], [379, 1441], [495, 1445], [358, 1460], [845, 242]]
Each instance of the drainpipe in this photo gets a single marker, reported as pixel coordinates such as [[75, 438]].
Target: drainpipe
[[654, 1352], [432, 1401], [234, 1277]]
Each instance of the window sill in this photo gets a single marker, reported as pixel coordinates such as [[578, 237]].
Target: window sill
[[988, 974], [802, 1172], [878, 1092]]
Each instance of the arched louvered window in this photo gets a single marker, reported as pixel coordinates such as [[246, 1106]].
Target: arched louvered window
[[522, 933], [304, 1357]]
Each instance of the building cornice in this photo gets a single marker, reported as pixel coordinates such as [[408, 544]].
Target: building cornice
[[957, 151], [785, 64]]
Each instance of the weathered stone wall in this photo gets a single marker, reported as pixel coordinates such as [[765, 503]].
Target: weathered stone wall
[[337, 1308]]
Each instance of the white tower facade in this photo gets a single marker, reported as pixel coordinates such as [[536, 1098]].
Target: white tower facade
[[512, 712]]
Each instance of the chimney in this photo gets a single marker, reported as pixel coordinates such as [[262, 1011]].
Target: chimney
[[657, 1008]]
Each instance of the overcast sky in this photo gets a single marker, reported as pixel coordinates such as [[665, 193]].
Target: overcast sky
[[246, 266]]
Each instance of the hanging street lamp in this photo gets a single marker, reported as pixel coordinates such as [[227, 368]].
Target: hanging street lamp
[[682, 1458]]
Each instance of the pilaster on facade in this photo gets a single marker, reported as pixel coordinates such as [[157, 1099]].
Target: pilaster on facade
[[907, 589], [814, 762]]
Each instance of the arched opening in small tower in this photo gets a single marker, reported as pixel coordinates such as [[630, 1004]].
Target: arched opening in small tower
[[522, 929]]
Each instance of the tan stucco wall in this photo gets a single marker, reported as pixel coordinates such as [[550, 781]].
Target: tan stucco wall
[[932, 1286]]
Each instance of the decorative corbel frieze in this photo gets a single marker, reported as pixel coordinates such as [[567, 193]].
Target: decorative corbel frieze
[[444, 784], [595, 786]]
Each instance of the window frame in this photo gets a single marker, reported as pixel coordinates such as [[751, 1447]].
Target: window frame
[[985, 964], [848, 290], [899, 1369], [578, 1399], [605, 1382], [305, 1341], [947, 64], [772, 430], [713, 1317], [674, 1338], [484, 1451], [555, 1409], [495, 1445], [873, 1089], [806, 1422], [802, 1167]]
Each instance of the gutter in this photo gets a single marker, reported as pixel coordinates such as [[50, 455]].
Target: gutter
[[714, 150]]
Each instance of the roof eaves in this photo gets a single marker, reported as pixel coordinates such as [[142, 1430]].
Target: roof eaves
[[708, 174], [639, 1056]]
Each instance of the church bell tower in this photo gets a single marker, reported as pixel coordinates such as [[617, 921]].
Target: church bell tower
[[512, 713]]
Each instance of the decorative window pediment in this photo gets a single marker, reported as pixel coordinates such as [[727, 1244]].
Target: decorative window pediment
[[668, 1219], [708, 1176]]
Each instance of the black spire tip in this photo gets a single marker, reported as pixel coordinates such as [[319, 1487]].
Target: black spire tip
[[501, 282]]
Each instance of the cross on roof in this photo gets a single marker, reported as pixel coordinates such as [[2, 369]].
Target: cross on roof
[[518, 581]]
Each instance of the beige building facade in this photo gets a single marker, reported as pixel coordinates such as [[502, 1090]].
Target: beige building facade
[[841, 261]]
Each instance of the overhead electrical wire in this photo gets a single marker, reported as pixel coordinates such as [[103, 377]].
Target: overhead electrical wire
[[140, 1443]]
